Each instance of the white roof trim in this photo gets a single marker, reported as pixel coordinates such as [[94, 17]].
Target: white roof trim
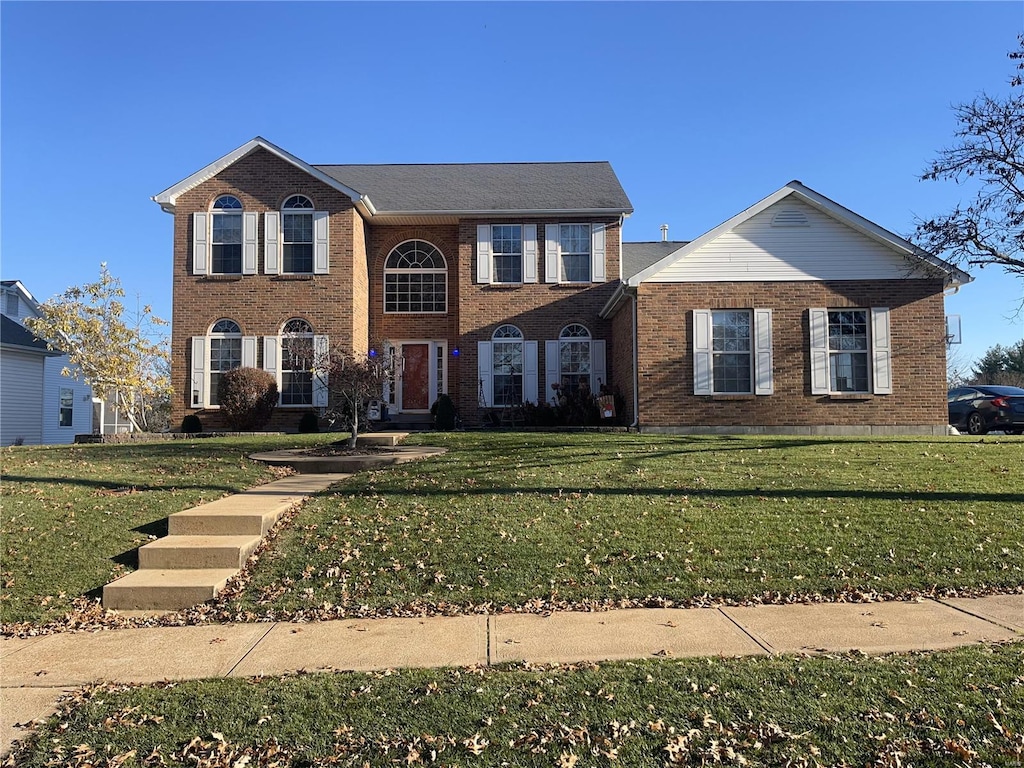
[[954, 276], [169, 197]]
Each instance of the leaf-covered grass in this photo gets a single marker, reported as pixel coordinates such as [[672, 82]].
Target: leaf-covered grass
[[510, 519], [963, 707], [73, 515]]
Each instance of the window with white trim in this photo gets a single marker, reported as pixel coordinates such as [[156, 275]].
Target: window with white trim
[[574, 359], [66, 417], [507, 253], [297, 235], [225, 353], [226, 236], [297, 363], [731, 351], [574, 253], [415, 279], [507, 361], [848, 350]]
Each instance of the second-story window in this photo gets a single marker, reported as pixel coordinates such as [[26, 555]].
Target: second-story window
[[507, 253], [574, 249], [226, 236], [297, 234], [415, 279]]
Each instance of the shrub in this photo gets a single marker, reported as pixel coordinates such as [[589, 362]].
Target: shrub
[[443, 411], [247, 397], [191, 424], [309, 422]]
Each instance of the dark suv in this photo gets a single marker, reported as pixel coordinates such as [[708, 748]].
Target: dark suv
[[982, 408]]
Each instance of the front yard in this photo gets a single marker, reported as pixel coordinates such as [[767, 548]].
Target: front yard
[[538, 521]]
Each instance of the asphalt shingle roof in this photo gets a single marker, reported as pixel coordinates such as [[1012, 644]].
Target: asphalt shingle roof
[[467, 187], [16, 335], [637, 257]]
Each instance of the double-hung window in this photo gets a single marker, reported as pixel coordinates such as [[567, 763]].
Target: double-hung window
[[507, 253], [226, 236], [574, 359], [850, 351], [225, 354], [731, 351], [297, 235], [67, 407], [574, 253], [297, 363]]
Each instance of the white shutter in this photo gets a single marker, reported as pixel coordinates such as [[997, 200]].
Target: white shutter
[[530, 253], [763, 382], [598, 366], [597, 253], [321, 353], [551, 253], [321, 243], [272, 243], [270, 347], [703, 383], [483, 253], [484, 365], [250, 225], [817, 321], [881, 351], [198, 372], [248, 351], [200, 244], [529, 371], [552, 369]]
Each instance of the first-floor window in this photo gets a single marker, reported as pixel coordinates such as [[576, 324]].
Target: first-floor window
[[297, 363], [225, 353], [67, 407], [848, 350], [731, 351], [574, 359], [507, 356]]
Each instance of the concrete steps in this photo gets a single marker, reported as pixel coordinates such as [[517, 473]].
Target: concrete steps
[[207, 545]]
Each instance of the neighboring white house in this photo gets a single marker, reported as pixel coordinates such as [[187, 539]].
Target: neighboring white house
[[38, 405]]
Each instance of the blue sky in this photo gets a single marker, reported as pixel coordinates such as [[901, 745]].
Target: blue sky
[[701, 108]]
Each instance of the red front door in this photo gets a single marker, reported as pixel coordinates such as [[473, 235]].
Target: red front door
[[416, 377]]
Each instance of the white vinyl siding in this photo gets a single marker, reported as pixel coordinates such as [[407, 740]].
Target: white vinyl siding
[[21, 408], [756, 251], [53, 382]]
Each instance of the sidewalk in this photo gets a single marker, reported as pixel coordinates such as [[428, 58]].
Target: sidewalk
[[37, 671]]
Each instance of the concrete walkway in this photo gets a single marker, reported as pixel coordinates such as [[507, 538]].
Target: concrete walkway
[[37, 671]]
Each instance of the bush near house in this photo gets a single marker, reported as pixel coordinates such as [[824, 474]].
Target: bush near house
[[247, 398]]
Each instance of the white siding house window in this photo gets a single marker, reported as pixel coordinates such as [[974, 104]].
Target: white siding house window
[[66, 417], [226, 236], [415, 279], [11, 304], [732, 352], [850, 351]]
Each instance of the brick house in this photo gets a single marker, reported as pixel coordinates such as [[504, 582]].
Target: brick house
[[490, 282], [795, 316]]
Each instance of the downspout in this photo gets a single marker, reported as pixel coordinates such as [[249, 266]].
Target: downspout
[[636, 366]]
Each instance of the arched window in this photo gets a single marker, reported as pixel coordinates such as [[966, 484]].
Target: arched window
[[225, 353], [415, 279], [507, 356], [226, 236], [297, 234], [297, 363], [574, 358]]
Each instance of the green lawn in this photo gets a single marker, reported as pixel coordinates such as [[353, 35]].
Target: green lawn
[[955, 708], [551, 520], [72, 516]]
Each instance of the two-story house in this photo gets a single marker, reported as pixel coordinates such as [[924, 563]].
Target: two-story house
[[491, 282]]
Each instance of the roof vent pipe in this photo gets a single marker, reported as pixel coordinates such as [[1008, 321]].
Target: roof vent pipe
[[664, 233]]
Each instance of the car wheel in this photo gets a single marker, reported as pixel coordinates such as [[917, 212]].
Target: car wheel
[[975, 424]]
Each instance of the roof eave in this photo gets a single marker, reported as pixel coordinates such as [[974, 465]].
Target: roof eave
[[514, 212], [622, 292]]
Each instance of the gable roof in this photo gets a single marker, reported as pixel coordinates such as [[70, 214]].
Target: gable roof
[[639, 256], [13, 334], [471, 188], [169, 197], [951, 274], [446, 188]]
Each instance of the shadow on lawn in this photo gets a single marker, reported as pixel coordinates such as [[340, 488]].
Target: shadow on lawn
[[104, 485]]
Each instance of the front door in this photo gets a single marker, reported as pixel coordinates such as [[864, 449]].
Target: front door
[[415, 377]]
